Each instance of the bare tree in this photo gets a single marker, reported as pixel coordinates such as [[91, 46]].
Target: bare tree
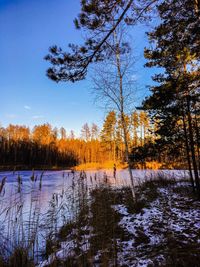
[[113, 84], [85, 132], [94, 131]]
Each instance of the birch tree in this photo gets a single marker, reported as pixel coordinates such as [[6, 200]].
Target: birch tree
[[113, 85]]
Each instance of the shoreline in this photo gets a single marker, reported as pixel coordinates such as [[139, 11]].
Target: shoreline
[[78, 169], [37, 168]]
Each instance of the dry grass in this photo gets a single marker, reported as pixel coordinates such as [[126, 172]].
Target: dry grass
[[100, 165], [151, 165]]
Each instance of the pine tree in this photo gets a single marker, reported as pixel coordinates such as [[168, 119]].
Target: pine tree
[[100, 18], [135, 125], [175, 99], [108, 134]]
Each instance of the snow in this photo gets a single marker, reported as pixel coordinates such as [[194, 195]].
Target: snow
[[155, 222], [144, 220], [68, 248]]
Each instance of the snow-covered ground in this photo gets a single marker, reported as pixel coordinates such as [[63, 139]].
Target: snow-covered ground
[[170, 217], [171, 221]]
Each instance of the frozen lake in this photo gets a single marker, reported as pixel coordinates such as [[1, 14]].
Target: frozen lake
[[55, 181]]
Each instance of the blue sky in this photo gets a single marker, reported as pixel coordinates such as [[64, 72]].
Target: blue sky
[[27, 29]]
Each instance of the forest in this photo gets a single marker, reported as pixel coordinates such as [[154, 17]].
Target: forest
[[45, 147]]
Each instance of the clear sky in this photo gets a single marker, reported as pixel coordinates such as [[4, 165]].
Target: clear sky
[[28, 97]]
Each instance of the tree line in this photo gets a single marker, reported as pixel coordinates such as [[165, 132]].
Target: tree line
[[45, 146], [22, 148]]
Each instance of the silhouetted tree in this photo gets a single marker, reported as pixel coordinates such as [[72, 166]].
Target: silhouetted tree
[[174, 101], [100, 18]]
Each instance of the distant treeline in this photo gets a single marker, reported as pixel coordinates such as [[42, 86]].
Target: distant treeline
[[21, 148], [47, 147], [25, 154]]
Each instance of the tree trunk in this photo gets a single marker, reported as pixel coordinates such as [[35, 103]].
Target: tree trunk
[[188, 152], [197, 139], [192, 147], [122, 117], [127, 155]]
